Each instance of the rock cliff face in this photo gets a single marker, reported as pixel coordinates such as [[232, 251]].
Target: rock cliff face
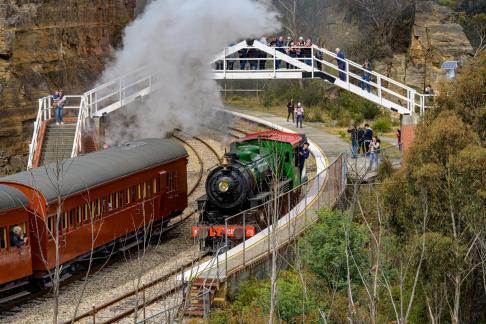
[[45, 45], [436, 38]]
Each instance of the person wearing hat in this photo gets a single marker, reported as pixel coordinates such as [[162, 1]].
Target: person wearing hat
[[303, 155]]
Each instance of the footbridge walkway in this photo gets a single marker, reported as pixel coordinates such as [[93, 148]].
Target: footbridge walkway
[[273, 63]]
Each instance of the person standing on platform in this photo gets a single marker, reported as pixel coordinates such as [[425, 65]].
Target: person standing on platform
[[354, 139], [368, 136], [303, 155], [341, 64], [290, 110], [299, 114], [361, 139]]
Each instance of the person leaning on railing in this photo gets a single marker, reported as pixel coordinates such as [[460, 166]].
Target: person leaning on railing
[[374, 153]]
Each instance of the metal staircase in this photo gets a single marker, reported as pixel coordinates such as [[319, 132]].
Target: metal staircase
[[321, 64], [58, 143]]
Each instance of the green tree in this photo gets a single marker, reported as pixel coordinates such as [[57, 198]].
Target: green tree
[[466, 95], [324, 248], [445, 175]]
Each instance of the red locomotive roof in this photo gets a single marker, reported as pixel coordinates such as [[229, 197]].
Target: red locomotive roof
[[274, 135]]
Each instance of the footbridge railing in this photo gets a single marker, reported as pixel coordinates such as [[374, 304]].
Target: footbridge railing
[[255, 60]]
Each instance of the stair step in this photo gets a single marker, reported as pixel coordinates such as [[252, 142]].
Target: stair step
[[210, 282], [194, 312]]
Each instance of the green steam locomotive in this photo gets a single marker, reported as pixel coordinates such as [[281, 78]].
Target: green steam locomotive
[[257, 168]]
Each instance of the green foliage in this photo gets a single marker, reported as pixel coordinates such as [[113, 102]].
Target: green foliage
[[349, 108], [268, 99], [466, 96], [253, 301], [382, 125], [324, 248]]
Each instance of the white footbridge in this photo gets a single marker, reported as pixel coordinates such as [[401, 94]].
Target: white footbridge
[[245, 60]]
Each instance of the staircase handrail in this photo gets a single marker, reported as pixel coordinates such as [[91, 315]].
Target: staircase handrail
[[82, 115], [35, 135]]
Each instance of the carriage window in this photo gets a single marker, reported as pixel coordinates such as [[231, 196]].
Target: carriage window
[[103, 205], [98, 206], [122, 198], [287, 157], [149, 189], [128, 196], [144, 190], [154, 186], [92, 209], [23, 226], [110, 202], [139, 192], [80, 217], [117, 200], [72, 217], [3, 238], [50, 224], [65, 222]]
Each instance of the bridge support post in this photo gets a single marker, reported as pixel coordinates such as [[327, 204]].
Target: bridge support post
[[408, 123]]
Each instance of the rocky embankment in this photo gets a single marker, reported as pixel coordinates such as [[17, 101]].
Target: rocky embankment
[[45, 45], [436, 37]]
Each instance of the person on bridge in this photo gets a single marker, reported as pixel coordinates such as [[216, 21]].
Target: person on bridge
[[243, 53], [307, 51], [354, 139], [365, 83], [279, 46], [303, 155], [299, 114], [341, 64], [290, 110]]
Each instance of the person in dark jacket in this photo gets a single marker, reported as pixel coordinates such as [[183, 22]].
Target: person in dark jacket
[[303, 155], [368, 136], [361, 139], [243, 53], [341, 64], [290, 110], [354, 139], [365, 83]]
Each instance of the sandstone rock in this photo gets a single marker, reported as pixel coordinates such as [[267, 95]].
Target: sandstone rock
[[45, 45], [18, 163], [436, 38]]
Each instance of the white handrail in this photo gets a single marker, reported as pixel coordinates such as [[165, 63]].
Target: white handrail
[[82, 115]]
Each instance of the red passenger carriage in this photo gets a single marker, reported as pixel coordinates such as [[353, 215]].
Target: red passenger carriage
[[106, 198]]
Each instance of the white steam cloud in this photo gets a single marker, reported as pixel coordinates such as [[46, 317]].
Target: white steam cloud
[[177, 39]]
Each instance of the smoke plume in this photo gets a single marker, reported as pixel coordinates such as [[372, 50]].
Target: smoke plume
[[177, 39]]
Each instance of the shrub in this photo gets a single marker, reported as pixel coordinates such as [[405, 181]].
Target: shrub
[[323, 248], [268, 99], [382, 125]]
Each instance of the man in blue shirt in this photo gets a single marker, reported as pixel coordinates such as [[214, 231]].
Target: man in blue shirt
[[303, 155], [368, 136]]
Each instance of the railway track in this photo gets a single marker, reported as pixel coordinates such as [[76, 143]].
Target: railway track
[[115, 310], [204, 156]]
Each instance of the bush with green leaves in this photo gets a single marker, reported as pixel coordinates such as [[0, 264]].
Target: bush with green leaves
[[382, 125], [324, 248]]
